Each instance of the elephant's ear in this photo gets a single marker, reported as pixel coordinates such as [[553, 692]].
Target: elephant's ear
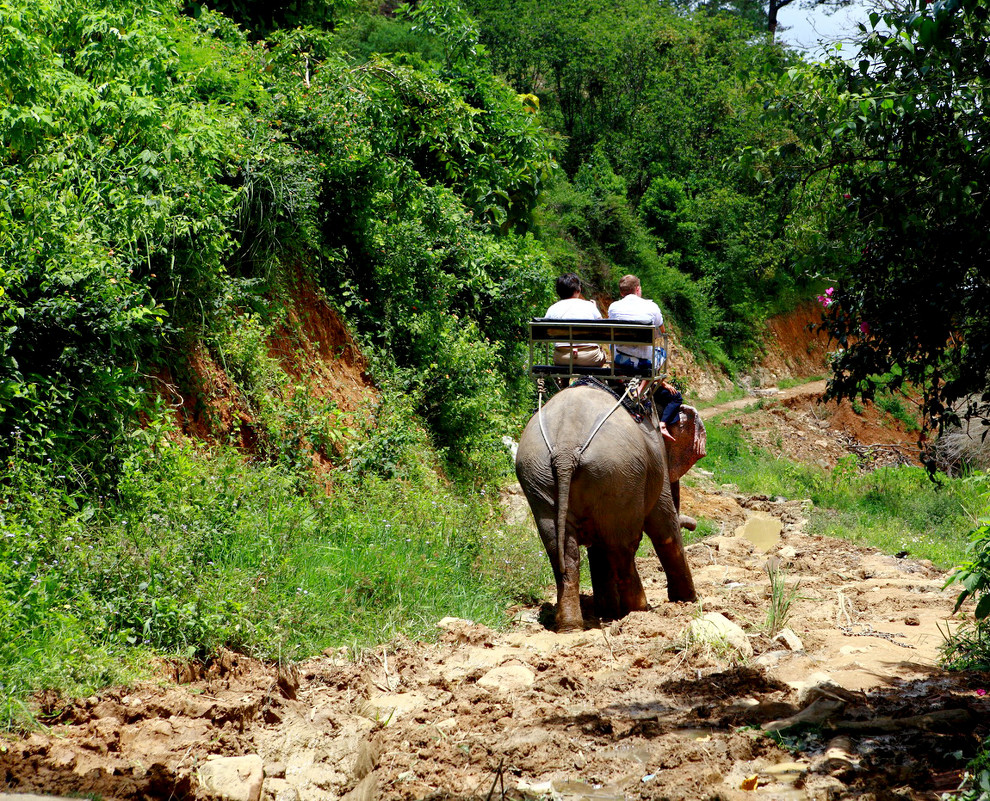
[[688, 445]]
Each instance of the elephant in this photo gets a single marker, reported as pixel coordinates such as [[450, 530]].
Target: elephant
[[604, 480]]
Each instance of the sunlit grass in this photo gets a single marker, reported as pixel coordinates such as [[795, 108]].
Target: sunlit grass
[[202, 550], [787, 383], [894, 508], [722, 396]]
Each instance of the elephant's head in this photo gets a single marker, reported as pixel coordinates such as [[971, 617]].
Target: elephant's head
[[688, 445]]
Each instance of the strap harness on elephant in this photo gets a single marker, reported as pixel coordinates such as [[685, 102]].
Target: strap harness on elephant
[[557, 458]]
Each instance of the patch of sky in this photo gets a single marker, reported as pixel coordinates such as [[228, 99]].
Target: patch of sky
[[816, 30]]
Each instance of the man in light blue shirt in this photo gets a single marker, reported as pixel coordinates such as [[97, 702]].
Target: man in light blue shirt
[[632, 307]]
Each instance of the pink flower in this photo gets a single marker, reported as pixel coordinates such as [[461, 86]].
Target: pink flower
[[981, 692], [864, 328]]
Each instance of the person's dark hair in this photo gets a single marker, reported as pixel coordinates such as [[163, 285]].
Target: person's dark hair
[[568, 285]]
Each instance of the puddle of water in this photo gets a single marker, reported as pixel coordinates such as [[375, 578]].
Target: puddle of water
[[582, 791], [762, 530], [786, 772], [782, 777], [695, 735], [640, 753], [780, 794]]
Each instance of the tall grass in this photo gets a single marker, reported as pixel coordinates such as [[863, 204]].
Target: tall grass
[[201, 549], [893, 508]]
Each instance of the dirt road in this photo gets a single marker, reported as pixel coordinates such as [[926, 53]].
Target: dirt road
[[847, 702], [813, 389], [638, 708]]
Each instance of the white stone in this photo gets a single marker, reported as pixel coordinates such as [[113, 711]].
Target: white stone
[[789, 640], [715, 627], [233, 778], [508, 678]]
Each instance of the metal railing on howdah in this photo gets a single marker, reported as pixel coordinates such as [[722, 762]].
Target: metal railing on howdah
[[555, 345]]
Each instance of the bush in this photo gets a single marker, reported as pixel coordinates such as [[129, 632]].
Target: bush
[[895, 408], [200, 550], [969, 646]]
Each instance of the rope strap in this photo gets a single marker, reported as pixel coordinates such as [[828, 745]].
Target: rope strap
[[630, 387], [541, 389]]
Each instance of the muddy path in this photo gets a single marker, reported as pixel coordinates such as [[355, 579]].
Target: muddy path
[[637, 708], [809, 391], [848, 701]]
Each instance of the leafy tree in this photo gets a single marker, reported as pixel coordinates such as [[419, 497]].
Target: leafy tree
[[666, 98], [765, 13], [114, 193], [158, 172], [902, 137], [264, 17]]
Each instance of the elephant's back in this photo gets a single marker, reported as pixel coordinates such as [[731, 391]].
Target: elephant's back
[[618, 461], [587, 418], [583, 408]]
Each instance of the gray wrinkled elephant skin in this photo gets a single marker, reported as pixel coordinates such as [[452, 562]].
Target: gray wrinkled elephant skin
[[605, 496]]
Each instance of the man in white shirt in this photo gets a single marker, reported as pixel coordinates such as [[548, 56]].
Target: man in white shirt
[[572, 306], [632, 307]]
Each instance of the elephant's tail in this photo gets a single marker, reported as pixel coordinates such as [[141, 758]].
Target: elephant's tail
[[564, 463]]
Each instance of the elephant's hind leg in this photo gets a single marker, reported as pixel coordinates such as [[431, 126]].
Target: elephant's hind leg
[[664, 531], [603, 583], [632, 597]]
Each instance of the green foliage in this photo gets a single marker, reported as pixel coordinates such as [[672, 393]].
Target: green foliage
[[292, 419], [158, 174], [160, 171], [799, 739], [653, 104], [450, 25], [591, 230], [781, 598], [364, 36], [200, 550], [263, 18], [969, 646], [901, 133], [895, 407], [113, 196], [422, 187], [976, 780]]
